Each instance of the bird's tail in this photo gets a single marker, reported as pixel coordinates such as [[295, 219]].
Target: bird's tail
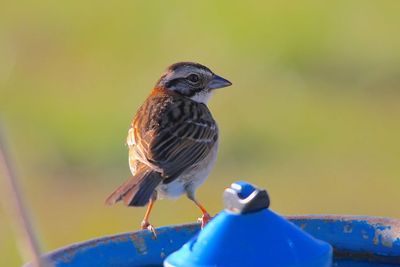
[[138, 190]]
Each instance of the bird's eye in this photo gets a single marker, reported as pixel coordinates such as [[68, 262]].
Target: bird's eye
[[194, 78]]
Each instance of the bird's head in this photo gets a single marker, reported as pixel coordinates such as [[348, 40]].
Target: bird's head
[[191, 80]]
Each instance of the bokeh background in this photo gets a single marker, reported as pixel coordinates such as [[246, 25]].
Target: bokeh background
[[313, 115]]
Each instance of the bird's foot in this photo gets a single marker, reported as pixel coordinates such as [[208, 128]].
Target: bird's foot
[[204, 219], [146, 225]]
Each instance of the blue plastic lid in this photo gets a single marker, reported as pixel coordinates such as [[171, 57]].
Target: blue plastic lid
[[247, 233]]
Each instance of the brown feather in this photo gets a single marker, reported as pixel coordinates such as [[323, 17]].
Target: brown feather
[[174, 133], [137, 190]]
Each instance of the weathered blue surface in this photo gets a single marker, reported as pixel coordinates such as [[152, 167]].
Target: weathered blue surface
[[129, 249], [237, 240], [377, 239], [357, 242]]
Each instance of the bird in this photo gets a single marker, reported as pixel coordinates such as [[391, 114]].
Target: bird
[[172, 140]]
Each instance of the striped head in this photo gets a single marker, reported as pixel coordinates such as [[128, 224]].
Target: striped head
[[191, 80]]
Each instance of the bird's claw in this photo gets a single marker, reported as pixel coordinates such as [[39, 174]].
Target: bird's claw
[[204, 219], [146, 225]]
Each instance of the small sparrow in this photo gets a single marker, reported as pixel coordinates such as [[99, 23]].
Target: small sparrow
[[173, 140]]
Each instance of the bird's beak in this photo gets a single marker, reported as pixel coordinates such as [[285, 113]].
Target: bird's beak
[[218, 82]]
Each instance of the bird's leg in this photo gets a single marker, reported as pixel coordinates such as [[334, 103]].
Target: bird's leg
[[145, 223], [206, 217]]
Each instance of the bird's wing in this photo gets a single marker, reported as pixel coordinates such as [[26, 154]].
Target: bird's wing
[[183, 135]]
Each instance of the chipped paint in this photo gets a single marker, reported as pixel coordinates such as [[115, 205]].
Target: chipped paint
[[383, 237], [163, 255], [364, 234], [140, 244], [347, 229], [356, 237]]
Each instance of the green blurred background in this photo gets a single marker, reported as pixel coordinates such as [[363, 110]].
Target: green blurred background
[[313, 115]]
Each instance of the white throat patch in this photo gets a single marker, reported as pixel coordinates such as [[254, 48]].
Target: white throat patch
[[202, 97]]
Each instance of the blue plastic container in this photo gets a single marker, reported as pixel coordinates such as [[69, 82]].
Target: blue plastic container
[[356, 241], [247, 233]]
